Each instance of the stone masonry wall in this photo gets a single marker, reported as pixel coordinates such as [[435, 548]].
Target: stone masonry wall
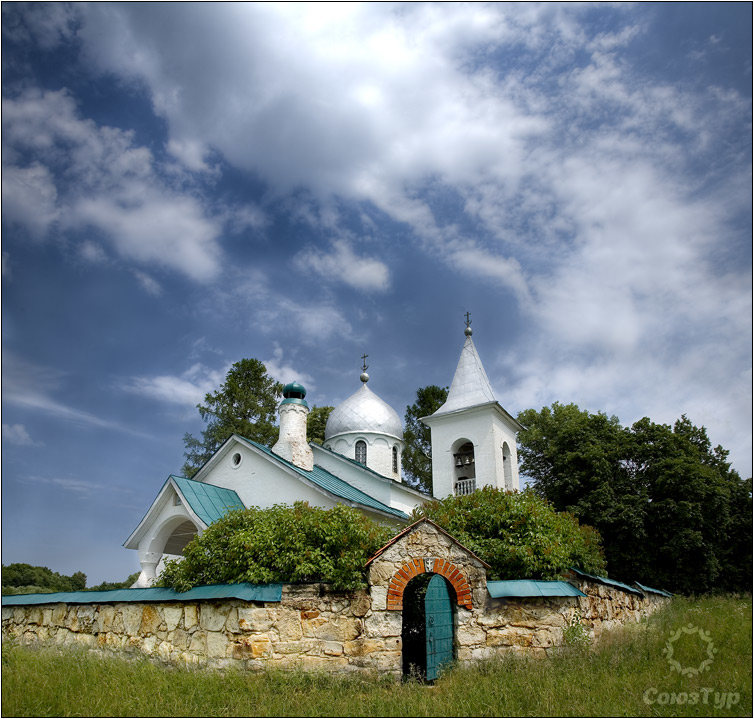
[[313, 628]]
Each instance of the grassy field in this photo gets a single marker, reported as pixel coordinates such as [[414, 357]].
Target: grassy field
[[626, 674]]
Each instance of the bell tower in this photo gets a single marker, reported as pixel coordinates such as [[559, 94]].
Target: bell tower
[[473, 436]]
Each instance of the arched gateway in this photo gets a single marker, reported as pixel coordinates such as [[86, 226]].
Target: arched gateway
[[433, 587]]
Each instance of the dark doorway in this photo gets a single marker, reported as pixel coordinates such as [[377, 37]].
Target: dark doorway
[[427, 631]]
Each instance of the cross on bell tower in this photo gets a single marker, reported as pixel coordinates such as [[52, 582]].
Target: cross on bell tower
[[473, 436]]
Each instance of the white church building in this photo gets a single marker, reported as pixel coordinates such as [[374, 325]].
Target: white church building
[[473, 445]]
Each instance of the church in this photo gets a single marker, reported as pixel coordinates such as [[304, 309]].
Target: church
[[473, 445]]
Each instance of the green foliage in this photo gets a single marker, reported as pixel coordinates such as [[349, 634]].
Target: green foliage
[[125, 584], [316, 422], [245, 404], [27, 589], [284, 543], [417, 456], [517, 533], [40, 578], [610, 679], [576, 634], [670, 510]]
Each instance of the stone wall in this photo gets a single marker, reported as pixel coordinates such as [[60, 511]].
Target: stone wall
[[315, 628], [311, 628]]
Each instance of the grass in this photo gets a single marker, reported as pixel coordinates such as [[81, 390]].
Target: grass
[[611, 679]]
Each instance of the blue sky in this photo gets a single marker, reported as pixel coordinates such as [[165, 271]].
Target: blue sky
[[185, 185]]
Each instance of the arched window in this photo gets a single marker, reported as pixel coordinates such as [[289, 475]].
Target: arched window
[[465, 468], [395, 460], [507, 467], [361, 451]]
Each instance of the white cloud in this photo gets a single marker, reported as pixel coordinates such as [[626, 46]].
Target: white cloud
[[29, 198], [341, 264], [17, 434], [33, 387], [278, 368], [89, 176], [482, 264], [518, 143], [251, 297], [92, 252], [71, 484], [187, 389], [148, 283]]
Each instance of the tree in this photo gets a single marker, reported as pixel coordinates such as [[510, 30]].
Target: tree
[[579, 462], [670, 510], [284, 543], [34, 578], [127, 583], [316, 422], [417, 455], [518, 534], [245, 404]]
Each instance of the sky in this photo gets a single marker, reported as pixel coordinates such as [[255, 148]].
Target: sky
[[186, 185]]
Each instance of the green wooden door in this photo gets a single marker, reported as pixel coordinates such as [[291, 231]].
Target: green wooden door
[[438, 617]]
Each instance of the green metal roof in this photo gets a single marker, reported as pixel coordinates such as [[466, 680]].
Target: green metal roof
[[646, 589], [247, 592], [330, 483], [207, 501], [609, 582], [532, 588], [371, 471]]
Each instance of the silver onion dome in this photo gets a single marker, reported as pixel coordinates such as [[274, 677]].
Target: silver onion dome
[[364, 411]]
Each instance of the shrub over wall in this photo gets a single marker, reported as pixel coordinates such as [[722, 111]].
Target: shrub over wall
[[283, 543], [518, 534]]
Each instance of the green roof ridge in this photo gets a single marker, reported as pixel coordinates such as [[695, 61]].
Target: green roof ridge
[[324, 480]]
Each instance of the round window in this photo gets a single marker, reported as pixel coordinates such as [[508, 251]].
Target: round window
[[236, 459]]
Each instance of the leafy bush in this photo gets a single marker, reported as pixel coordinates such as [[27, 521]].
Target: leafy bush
[[576, 634], [284, 543], [517, 533]]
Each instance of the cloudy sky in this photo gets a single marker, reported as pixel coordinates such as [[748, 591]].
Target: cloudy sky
[[185, 185]]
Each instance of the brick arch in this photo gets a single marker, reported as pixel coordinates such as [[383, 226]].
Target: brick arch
[[414, 567]]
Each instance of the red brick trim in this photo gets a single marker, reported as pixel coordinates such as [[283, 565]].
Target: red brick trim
[[414, 567]]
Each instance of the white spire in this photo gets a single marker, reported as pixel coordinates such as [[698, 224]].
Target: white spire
[[470, 386]]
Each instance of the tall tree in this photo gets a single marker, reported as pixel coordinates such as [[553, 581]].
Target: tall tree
[[417, 456], [316, 423], [246, 404], [668, 506]]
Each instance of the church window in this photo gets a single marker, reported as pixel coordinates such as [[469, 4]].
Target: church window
[[465, 469], [395, 460], [236, 459], [361, 451]]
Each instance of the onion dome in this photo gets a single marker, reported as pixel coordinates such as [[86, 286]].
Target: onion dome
[[364, 411], [294, 393]]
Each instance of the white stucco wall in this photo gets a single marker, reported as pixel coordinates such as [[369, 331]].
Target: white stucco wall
[[258, 480], [379, 450], [487, 429]]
